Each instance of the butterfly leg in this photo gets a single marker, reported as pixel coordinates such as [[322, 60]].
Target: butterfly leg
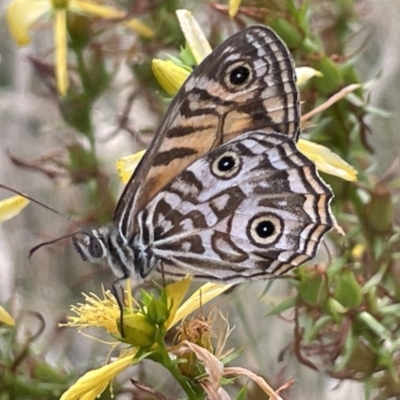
[[162, 275], [120, 300]]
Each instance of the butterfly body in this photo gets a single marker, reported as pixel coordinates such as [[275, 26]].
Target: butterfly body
[[222, 192]]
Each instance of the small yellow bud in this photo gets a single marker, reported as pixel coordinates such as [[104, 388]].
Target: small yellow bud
[[169, 75]]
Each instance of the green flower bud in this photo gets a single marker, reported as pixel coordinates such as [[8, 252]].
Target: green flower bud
[[138, 330], [347, 291], [157, 311]]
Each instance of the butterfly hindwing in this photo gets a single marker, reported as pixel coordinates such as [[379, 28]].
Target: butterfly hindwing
[[253, 207]]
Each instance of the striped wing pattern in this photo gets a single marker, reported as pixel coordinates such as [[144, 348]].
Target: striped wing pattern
[[222, 192], [211, 224], [214, 107]]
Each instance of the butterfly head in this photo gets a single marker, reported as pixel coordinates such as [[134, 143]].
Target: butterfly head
[[91, 246], [96, 246]]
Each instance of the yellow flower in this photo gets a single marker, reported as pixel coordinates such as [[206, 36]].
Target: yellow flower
[[104, 313], [127, 165], [327, 161], [6, 318], [358, 251], [169, 75], [234, 7], [194, 36], [141, 28], [304, 74], [93, 383], [96, 313], [200, 297], [22, 15], [11, 207]]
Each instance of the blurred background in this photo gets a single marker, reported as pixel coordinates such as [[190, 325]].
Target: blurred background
[[45, 152]]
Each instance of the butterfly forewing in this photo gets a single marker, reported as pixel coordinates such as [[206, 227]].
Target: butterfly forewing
[[248, 82]]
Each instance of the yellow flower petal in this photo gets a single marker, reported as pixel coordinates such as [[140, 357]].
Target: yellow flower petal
[[194, 36], [357, 251], [169, 75], [175, 293], [93, 383], [5, 317], [140, 27], [127, 165], [92, 394], [96, 312], [306, 73], [234, 7], [89, 7], [22, 14], [327, 161], [60, 40], [200, 297], [11, 207]]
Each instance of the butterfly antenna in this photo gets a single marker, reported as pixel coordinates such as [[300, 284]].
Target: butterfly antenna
[[33, 249], [10, 189]]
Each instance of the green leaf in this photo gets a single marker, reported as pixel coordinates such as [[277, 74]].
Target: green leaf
[[335, 309], [316, 327], [282, 306], [373, 324], [348, 291], [331, 79], [187, 59], [157, 311], [336, 267], [230, 357], [375, 279], [347, 350], [242, 393], [313, 288], [292, 36], [46, 373]]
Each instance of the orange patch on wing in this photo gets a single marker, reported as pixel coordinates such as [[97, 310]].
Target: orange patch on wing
[[236, 122]]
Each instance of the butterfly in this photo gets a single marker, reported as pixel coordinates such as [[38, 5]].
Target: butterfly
[[222, 192]]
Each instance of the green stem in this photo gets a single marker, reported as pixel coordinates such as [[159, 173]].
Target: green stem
[[82, 70], [86, 84], [162, 357]]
